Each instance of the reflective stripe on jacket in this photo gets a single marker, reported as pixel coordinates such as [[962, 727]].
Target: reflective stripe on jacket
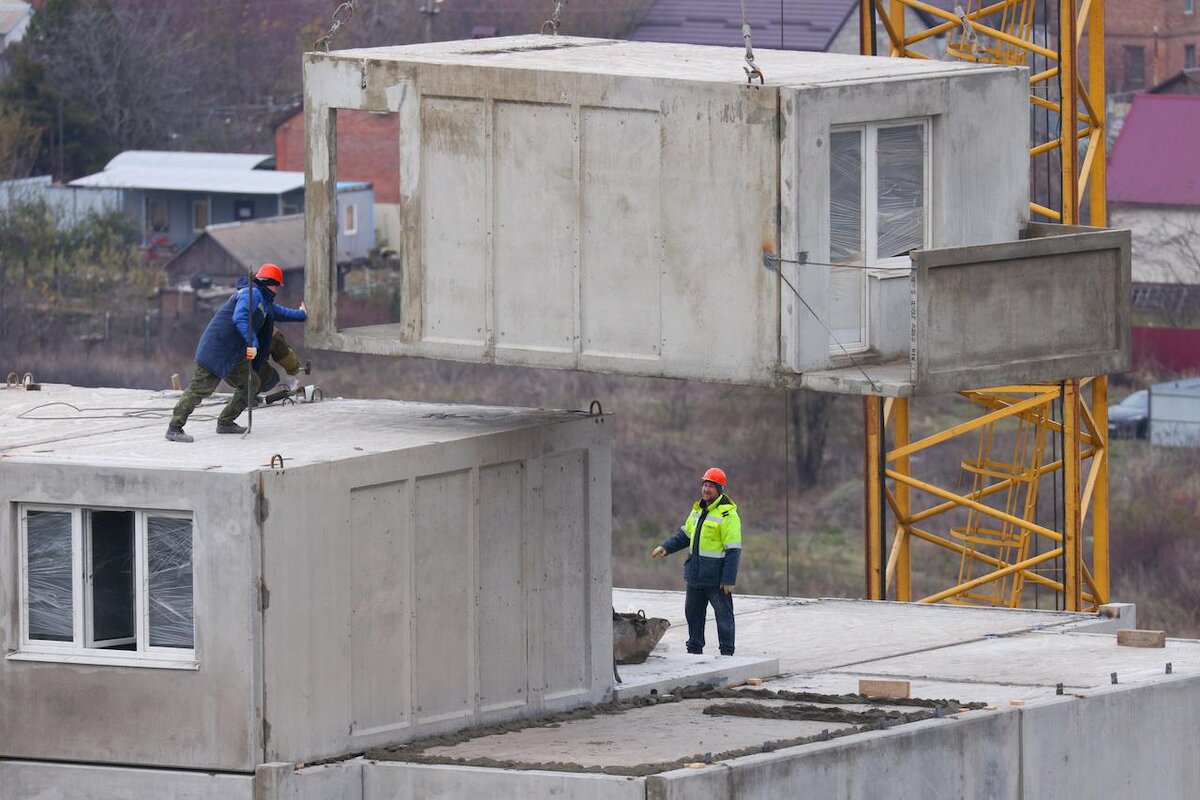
[[714, 554]]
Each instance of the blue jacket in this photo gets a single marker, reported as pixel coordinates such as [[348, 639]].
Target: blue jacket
[[247, 319], [712, 533]]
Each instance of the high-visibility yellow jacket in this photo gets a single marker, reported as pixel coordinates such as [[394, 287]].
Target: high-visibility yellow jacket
[[712, 534]]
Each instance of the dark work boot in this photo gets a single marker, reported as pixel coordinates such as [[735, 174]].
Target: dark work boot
[[229, 427], [177, 435]]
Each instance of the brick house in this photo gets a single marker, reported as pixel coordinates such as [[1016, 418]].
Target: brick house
[[366, 151], [1147, 41]]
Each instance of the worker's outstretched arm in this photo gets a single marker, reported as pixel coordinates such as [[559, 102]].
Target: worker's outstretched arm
[[676, 542], [290, 314]]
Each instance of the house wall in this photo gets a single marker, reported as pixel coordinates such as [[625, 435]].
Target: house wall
[[1166, 241], [1159, 27], [367, 150], [207, 718], [222, 208], [359, 244], [437, 588]]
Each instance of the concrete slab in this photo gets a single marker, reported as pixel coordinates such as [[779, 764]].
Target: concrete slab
[[1078, 660], [658, 734], [662, 672], [810, 635], [125, 427]]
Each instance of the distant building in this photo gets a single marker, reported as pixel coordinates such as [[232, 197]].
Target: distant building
[[176, 195], [366, 151], [827, 26], [1145, 41], [1154, 190]]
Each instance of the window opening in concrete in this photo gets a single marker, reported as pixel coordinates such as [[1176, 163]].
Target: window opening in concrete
[[158, 214], [878, 213], [366, 217], [106, 582], [200, 215]]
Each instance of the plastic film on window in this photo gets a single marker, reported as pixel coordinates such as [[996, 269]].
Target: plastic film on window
[[901, 203], [845, 198], [169, 569], [50, 588]]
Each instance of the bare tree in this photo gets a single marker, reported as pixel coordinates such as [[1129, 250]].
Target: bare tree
[[19, 143]]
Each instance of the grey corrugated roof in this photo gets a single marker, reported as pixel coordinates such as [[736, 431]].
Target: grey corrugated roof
[[807, 25], [195, 179], [182, 159], [279, 240]]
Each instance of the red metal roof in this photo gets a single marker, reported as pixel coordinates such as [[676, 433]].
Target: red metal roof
[[1156, 160]]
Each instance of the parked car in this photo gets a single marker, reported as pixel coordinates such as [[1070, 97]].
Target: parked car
[[1130, 419]]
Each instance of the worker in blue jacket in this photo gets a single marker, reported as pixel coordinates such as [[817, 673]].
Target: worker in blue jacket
[[713, 535], [230, 350]]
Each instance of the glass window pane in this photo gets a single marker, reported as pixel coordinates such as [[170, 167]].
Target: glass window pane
[[901, 203], [845, 198], [50, 591], [111, 568], [169, 570]]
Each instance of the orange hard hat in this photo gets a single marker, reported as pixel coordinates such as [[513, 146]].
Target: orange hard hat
[[715, 475], [271, 271]]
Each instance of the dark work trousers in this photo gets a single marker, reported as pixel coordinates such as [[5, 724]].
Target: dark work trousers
[[205, 383], [695, 608]]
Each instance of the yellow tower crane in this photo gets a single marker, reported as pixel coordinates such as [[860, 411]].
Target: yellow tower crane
[[1048, 432]]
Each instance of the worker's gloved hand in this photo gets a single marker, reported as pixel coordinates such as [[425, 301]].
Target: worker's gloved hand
[[658, 552], [251, 352]]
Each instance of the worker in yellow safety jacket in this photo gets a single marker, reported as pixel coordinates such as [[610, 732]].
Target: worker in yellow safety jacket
[[713, 535]]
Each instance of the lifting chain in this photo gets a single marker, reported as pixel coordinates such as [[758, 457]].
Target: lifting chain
[[341, 15], [752, 71], [552, 25]]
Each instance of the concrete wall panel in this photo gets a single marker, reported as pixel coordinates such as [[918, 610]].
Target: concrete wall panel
[[395, 781], [566, 565], [535, 228], [453, 151], [950, 759], [503, 617], [985, 316], [621, 232], [32, 780], [445, 597], [202, 718], [1152, 750], [414, 578], [381, 619]]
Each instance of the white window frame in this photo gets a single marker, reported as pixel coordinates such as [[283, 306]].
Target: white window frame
[[872, 265], [78, 650], [350, 210], [207, 203]]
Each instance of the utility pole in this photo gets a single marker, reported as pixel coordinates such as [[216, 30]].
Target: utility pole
[[430, 9]]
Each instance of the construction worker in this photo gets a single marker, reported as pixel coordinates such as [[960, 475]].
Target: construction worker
[[229, 350], [713, 535]]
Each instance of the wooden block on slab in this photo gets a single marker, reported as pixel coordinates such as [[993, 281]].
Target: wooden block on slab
[[881, 688], [1131, 637]]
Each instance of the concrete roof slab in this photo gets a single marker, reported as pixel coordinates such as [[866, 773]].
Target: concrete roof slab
[[125, 428]]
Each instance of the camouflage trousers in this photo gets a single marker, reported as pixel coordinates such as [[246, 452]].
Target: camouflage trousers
[[204, 383]]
